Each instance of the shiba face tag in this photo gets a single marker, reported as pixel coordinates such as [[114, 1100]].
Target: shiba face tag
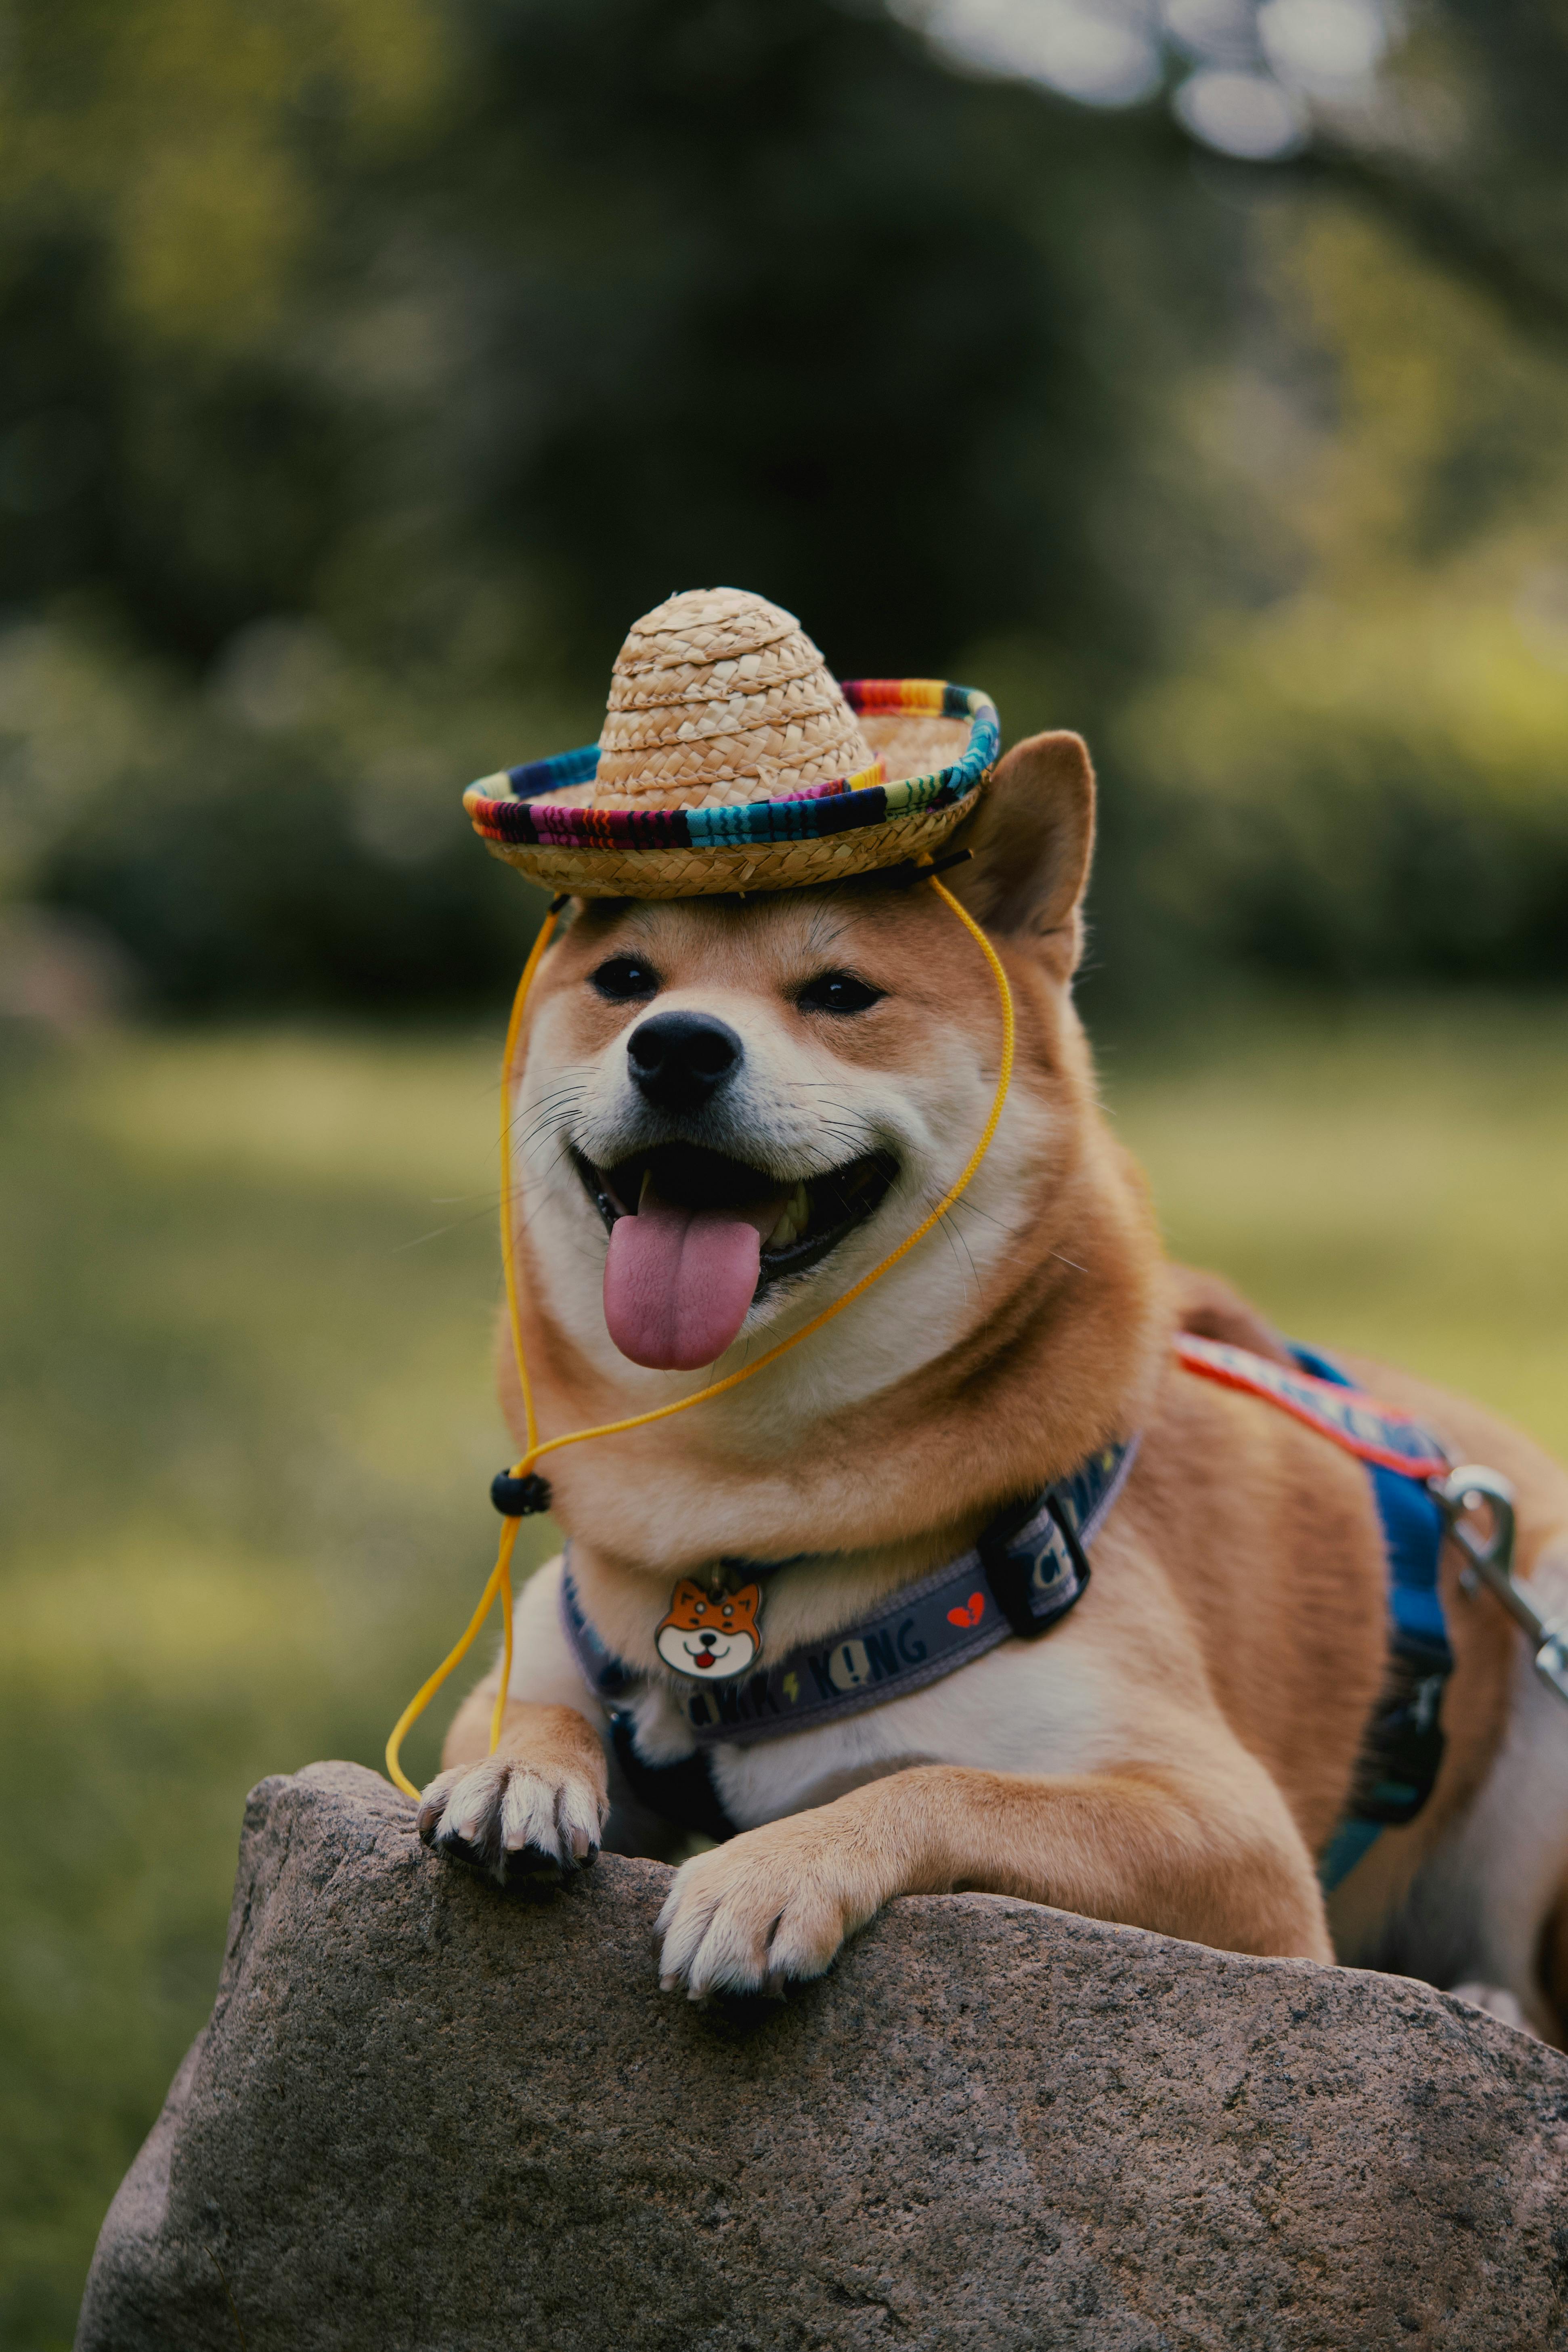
[[710, 1635]]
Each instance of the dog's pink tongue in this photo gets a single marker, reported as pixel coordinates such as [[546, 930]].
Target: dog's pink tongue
[[678, 1282]]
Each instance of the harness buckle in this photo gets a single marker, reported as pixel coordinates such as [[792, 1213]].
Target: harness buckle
[[1488, 1560], [1036, 1566]]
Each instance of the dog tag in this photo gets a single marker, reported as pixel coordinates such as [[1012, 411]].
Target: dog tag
[[710, 1635]]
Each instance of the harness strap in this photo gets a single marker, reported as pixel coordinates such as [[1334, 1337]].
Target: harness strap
[[1320, 1395], [1402, 1748], [681, 1792]]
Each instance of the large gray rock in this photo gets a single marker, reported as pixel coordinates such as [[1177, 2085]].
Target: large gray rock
[[428, 2116]]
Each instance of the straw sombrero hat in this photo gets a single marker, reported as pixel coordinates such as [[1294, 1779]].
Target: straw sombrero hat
[[731, 759]]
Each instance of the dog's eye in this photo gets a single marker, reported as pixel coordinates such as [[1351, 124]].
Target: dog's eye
[[838, 992], [623, 979]]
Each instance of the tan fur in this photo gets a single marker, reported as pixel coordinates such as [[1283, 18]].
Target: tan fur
[[1226, 1659]]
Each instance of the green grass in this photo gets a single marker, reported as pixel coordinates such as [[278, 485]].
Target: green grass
[[1393, 1180], [247, 1304], [247, 1301]]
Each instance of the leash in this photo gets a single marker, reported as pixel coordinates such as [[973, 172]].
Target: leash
[[520, 1492]]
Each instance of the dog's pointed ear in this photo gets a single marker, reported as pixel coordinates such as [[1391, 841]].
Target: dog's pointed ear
[[1031, 840]]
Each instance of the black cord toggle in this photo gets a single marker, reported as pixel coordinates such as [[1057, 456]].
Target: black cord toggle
[[904, 877], [520, 1498]]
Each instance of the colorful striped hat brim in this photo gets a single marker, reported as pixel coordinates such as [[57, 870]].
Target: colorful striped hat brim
[[541, 816]]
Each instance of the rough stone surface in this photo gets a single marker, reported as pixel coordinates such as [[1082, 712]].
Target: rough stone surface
[[428, 2116]]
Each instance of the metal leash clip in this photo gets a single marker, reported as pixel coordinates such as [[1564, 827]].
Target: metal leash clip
[[1489, 1561]]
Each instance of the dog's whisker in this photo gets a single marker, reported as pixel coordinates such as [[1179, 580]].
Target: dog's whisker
[[560, 1093], [552, 1116], [542, 1141], [968, 1208], [549, 1124], [947, 1224], [553, 1107], [398, 1249]]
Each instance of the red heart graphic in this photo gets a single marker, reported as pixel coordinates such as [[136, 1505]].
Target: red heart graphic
[[959, 1616], [970, 1616]]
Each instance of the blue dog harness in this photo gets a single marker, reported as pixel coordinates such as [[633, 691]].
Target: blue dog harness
[[1029, 1567], [1403, 1745]]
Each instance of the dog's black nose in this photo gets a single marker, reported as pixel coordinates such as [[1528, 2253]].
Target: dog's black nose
[[680, 1059]]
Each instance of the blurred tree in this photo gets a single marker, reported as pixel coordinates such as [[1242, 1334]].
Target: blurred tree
[[1348, 760], [363, 376], [363, 371]]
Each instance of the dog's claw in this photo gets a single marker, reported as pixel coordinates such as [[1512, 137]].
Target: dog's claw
[[517, 1823]]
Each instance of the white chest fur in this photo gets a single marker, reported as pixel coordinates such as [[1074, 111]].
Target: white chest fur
[[1022, 1707]]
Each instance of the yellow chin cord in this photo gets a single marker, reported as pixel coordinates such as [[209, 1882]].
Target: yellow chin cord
[[500, 1575]]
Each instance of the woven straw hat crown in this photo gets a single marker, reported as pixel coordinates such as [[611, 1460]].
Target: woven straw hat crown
[[719, 697]]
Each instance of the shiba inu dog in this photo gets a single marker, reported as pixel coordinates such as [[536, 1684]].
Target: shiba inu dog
[[731, 1107]]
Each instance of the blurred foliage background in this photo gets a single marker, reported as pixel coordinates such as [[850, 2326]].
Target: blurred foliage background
[[1189, 372], [363, 369]]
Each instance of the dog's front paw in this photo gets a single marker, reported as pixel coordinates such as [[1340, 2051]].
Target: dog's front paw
[[773, 1905], [516, 1822]]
